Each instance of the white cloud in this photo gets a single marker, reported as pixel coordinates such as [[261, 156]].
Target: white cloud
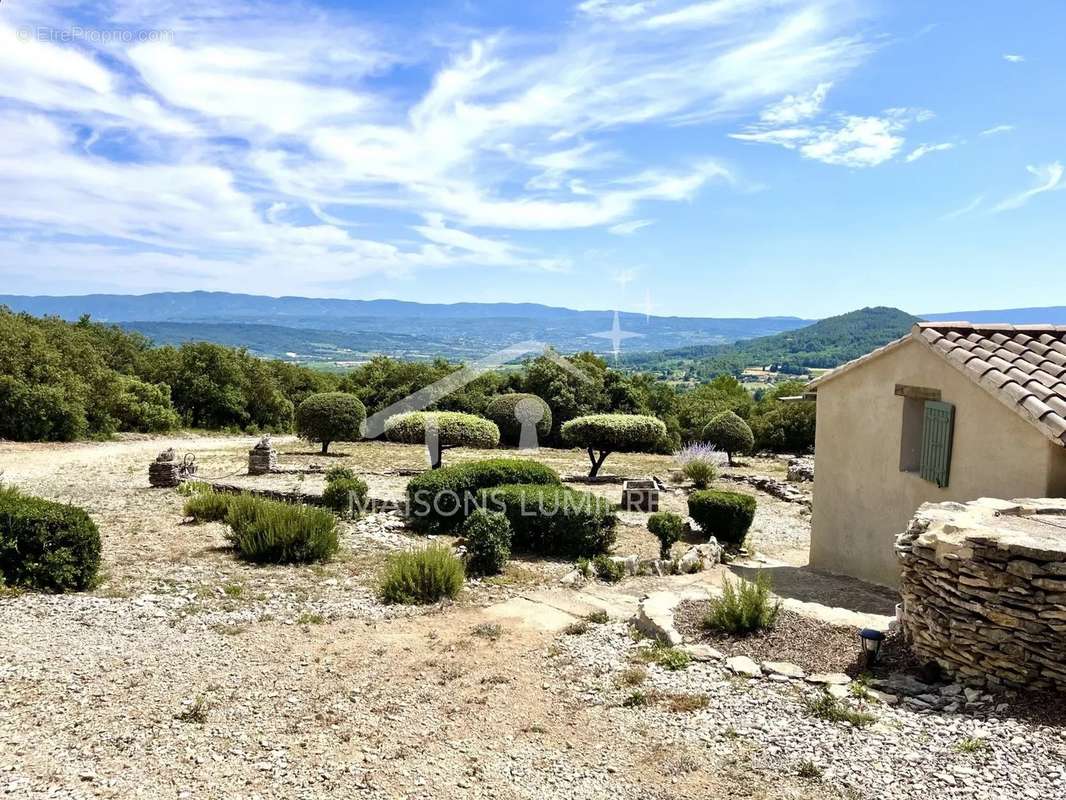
[[630, 227], [997, 129], [795, 108], [847, 140], [966, 209], [925, 149], [1014, 58], [1049, 178]]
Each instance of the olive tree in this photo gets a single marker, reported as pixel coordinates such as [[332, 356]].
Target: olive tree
[[441, 430], [603, 434], [730, 433], [330, 417]]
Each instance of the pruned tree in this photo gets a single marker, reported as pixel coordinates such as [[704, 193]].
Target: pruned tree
[[441, 430], [730, 433], [330, 417], [603, 434]]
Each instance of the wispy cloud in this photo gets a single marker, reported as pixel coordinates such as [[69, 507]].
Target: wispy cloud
[[925, 149], [997, 129], [241, 146], [629, 228], [973, 205], [1048, 178], [1013, 58]]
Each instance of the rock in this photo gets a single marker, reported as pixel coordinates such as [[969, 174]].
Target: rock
[[700, 557], [783, 668], [742, 665], [655, 617], [572, 578], [829, 679], [702, 652], [801, 469], [973, 696], [883, 697], [836, 690]]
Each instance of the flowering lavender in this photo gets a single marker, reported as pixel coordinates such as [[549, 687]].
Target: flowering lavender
[[699, 463]]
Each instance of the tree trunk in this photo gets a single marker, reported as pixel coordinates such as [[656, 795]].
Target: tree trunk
[[597, 461], [325, 447], [435, 454], [729, 457]]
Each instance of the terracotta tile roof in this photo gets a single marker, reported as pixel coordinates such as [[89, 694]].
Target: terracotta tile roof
[[1023, 366]]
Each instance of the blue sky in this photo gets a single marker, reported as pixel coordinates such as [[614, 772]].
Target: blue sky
[[715, 158]]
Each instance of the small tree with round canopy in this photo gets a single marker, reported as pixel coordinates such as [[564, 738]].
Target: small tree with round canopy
[[518, 415], [330, 417], [603, 434], [441, 430], [730, 433]]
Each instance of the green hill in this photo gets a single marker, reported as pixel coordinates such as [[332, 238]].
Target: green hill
[[825, 344]]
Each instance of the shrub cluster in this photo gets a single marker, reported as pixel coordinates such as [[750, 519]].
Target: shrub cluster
[[421, 576], [723, 515], [607, 569], [439, 501], [268, 531], [46, 546], [511, 411], [553, 520], [743, 610], [345, 494], [208, 506], [699, 463], [668, 528], [330, 417], [488, 542], [730, 434]]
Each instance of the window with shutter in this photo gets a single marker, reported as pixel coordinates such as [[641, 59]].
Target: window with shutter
[[938, 426]]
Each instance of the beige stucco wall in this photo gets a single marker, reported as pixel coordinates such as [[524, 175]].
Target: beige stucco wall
[[862, 499]]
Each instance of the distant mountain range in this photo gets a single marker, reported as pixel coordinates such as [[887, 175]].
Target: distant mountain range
[[333, 330], [328, 330]]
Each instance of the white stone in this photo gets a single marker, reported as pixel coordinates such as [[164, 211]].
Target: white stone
[[742, 665], [783, 668], [830, 678]]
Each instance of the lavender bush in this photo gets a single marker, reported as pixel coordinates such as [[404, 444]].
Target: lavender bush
[[699, 463]]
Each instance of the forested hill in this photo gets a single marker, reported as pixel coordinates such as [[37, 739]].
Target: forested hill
[[827, 343]]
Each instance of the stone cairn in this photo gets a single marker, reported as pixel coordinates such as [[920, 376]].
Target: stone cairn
[[984, 590], [263, 458], [165, 471]]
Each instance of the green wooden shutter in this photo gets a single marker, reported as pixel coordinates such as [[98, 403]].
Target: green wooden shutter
[[938, 426]]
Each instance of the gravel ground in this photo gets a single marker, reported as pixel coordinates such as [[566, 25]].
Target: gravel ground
[[814, 645], [903, 754]]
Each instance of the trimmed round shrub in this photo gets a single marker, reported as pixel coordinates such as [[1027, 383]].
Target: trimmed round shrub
[[668, 528], [453, 429], [727, 516], [340, 474], [603, 434], [421, 576], [439, 501], [207, 506], [511, 411], [729, 433], [553, 520], [46, 546], [331, 417], [269, 531], [345, 497], [488, 542]]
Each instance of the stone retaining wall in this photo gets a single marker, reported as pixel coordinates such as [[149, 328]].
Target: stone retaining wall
[[984, 590]]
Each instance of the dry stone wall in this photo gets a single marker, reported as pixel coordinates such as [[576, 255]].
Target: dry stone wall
[[984, 590]]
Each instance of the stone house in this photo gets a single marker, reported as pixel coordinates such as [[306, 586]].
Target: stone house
[[951, 411]]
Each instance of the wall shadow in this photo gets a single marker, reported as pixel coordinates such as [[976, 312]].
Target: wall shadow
[[811, 586]]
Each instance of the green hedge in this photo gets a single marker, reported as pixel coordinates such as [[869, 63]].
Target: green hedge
[[488, 542], [440, 500], [553, 520], [506, 410], [46, 546], [727, 516]]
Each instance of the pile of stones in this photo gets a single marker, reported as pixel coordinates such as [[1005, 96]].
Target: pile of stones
[[263, 458], [801, 469], [773, 487], [984, 590], [165, 471]]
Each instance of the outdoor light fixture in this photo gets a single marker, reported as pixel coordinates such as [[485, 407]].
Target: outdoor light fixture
[[871, 644]]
